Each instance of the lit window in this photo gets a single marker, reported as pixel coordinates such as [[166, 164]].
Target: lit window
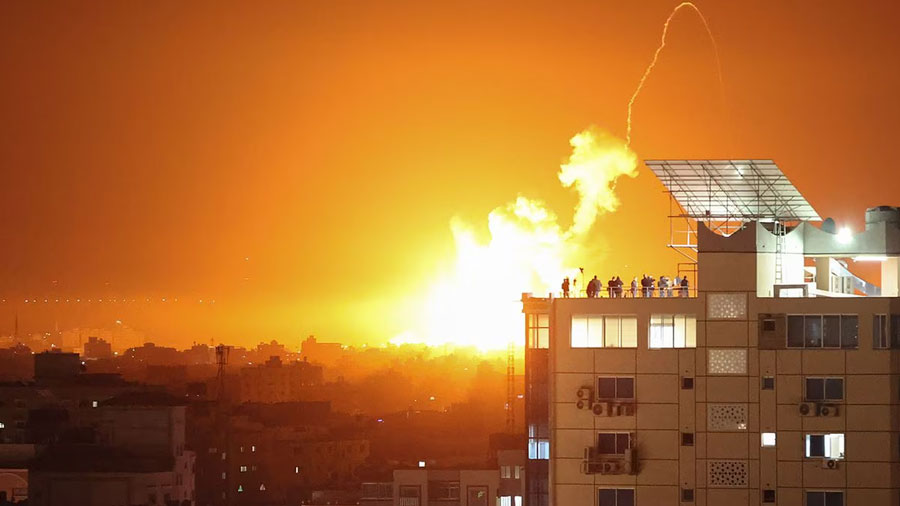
[[537, 330], [608, 331], [243, 469], [421, 463], [252, 448], [673, 331], [2, 425], [518, 471], [517, 500], [240, 488], [505, 472], [829, 446], [767, 439], [223, 475], [213, 450], [538, 449], [506, 500], [94, 404], [296, 469]]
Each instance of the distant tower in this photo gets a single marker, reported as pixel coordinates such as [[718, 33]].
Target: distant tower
[[221, 362], [511, 387]]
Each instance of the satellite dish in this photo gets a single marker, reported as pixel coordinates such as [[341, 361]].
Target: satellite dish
[[829, 226]]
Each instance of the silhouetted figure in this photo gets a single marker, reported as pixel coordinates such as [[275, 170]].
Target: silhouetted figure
[[677, 285], [646, 286], [634, 288], [663, 285], [565, 288], [593, 288], [611, 288], [684, 287]]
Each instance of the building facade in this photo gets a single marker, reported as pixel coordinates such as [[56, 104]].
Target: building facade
[[760, 387]]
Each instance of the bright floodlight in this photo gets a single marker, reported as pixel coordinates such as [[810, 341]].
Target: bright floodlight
[[844, 235]]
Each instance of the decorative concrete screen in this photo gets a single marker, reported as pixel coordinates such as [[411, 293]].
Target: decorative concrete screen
[[727, 473], [726, 306], [726, 417], [727, 361]]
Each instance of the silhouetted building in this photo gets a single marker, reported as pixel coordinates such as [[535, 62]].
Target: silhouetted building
[[274, 382], [96, 348], [56, 366]]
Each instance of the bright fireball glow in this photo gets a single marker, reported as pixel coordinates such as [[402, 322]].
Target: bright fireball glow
[[477, 303]]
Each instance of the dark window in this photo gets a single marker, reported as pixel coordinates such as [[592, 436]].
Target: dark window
[[816, 446], [687, 495], [610, 443], [625, 388], [409, 491], [606, 388], [768, 383], [795, 331], [812, 328], [895, 331], [816, 498], [880, 331], [615, 497], [824, 389], [687, 383], [831, 331], [815, 389], [849, 331], [615, 388], [687, 439], [768, 495], [834, 389], [769, 325]]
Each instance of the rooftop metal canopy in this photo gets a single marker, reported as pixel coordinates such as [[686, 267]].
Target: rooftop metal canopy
[[732, 190]]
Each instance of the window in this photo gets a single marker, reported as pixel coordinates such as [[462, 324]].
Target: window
[[537, 330], [252, 448], [687, 495], [615, 497], [880, 332], [3, 426], [296, 469], [824, 389], [769, 325], [768, 383], [824, 498], [443, 490], [673, 331], [538, 449], [615, 388], [687, 439], [604, 331], [410, 491], [517, 472], [768, 495], [613, 443], [505, 471], [829, 446], [895, 331], [767, 439], [243, 469], [94, 404], [687, 383], [823, 331]]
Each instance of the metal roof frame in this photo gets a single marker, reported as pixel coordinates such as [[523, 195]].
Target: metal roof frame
[[732, 191]]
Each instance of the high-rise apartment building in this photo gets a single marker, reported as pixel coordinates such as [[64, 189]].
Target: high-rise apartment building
[[773, 377]]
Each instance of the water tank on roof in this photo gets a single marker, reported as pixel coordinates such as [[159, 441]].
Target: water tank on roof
[[882, 214]]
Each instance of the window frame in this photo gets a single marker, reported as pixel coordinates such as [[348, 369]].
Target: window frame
[[537, 331], [824, 496], [827, 445], [670, 321], [629, 442], [849, 342], [616, 380], [601, 323], [825, 398], [617, 490]]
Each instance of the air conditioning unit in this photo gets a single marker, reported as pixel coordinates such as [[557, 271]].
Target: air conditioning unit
[[827, 410], [829, 464], [601, 408], [624, 408], [611, 467], [585, 393], [807, 409]]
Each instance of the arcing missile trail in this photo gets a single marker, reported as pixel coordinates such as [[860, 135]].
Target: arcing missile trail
[[659, 49]]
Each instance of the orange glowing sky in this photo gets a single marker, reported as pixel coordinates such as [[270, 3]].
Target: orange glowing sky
[[300, 162]]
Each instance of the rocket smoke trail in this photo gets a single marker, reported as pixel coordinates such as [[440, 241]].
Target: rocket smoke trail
[[659, 49]]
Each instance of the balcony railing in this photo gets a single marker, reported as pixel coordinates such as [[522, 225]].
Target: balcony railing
[[608, 463]]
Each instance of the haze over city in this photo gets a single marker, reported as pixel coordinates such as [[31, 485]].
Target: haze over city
[[300, 163]]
